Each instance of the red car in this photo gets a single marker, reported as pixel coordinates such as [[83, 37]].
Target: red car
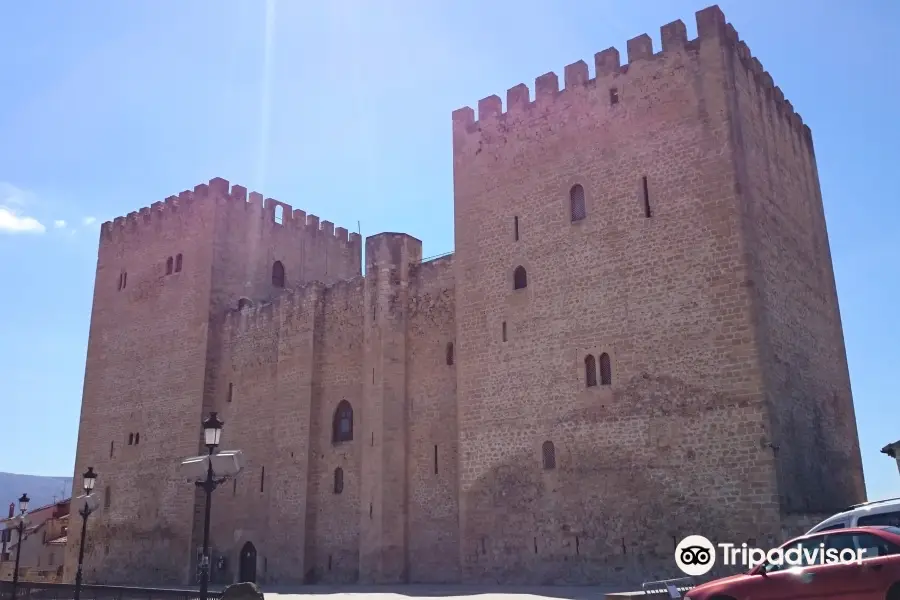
[[875, 577]]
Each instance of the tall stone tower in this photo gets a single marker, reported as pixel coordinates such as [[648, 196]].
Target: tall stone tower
[[646, 308], [165, 277]]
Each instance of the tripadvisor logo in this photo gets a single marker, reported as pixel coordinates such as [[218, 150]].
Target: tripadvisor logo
[[695, 555]]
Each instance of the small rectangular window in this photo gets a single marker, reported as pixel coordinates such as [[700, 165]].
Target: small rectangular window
[[230, 392], [516, 228], [504, 331], [435, 460], [262, 480], [613, 96]]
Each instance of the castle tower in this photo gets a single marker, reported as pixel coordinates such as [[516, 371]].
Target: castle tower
[[649, 342], [384, 481], [165, 277]]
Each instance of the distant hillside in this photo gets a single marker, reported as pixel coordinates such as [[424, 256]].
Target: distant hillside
[[41, 490]]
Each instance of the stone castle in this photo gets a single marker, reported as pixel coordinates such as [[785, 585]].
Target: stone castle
[[637, 338]]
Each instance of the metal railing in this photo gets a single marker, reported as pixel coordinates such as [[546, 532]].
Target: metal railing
[[28, 590], [668, 588]]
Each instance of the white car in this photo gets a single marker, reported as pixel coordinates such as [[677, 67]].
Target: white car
[[880, 512]]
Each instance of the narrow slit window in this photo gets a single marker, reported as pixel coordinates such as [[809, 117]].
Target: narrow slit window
[[338, 480], [645, 194], [548, 454], [178, 262], [590, 371], [613, 96], [342, 423], [112, 449], [516, 228], [576, 203], [449, 353], [130, 439], [605, 370], [107, 497], [169, 265], [435, 460], [230, 392], [137, 439], [504, 331], [262, 480], [520, 278]]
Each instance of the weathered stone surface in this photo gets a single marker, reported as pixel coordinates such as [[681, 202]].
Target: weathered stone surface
[[700, 269]]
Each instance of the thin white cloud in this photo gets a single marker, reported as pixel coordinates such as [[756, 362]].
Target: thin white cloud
[[89, 220], [12, 222], [59, 224], [11, 195]]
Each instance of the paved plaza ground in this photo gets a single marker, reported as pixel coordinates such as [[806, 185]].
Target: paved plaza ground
[[428, 592]]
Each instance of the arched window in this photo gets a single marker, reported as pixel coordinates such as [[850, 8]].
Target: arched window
[[178, 263], [278, 274], [605, 370], [130, 439], [342, 427], [279, 214], [520, 278], [338, 480], [548, 453], [590, 371], [169, 263], [449, 353], [576, 203]]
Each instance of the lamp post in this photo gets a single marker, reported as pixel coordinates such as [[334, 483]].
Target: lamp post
[[23, 508], [212, 432], [89, 479]]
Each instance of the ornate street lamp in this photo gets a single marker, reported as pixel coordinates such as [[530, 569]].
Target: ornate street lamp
[[23, 508], [89, 479], [212, 432]]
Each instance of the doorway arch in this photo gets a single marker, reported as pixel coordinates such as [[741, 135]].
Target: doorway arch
[[247, 563]]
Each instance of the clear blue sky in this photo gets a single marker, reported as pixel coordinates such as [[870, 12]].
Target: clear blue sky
[[342, 108]]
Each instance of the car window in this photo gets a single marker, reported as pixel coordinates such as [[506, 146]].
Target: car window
[[841, 541], [810, 554], [832, 527], [887, 518], [875, 546]]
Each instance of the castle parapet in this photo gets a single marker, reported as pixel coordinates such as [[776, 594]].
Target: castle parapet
[[711, 25], [235, 197], [290, 307]]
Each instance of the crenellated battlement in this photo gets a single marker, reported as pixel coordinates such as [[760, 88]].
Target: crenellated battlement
[[289, 303], [608, 68], [235, 197], [766, 85]]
